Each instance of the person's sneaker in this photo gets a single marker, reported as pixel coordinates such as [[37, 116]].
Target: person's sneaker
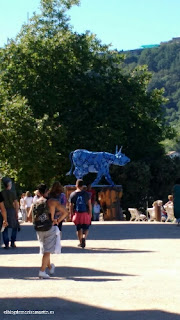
[[83, 243], [43, 275], [51, 271], [6, 246], [13, 245]]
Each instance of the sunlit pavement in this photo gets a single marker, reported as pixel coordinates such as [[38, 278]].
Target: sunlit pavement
[[128, 270]]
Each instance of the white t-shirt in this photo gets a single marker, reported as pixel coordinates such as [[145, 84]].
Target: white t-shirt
[[35, 199], [22, 204], [28, 201]]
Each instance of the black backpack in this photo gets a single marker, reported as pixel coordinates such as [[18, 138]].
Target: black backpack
[[41, 217]]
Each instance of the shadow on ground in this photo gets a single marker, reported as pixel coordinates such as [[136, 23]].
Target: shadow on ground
[[69, 250], [67, 310], [70, 273], [108, 231]]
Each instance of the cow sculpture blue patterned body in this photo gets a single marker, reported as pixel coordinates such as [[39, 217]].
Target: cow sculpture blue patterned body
[[96, 162]]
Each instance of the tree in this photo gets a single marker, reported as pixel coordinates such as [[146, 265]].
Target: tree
[[29, 146]]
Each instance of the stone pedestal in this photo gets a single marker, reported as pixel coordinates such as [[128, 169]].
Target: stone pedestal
[[109, 198]]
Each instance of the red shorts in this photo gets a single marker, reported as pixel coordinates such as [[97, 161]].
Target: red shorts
[[81, 218]]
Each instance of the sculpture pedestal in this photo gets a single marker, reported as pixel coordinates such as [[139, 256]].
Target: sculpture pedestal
[[110, 201], [109, 198]]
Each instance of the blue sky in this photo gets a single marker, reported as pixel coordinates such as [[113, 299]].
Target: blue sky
[[126, 24]]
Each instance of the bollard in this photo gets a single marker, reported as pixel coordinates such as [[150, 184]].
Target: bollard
[[157, 210]]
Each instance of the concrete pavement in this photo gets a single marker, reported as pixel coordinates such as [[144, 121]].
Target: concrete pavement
[[129, 270]]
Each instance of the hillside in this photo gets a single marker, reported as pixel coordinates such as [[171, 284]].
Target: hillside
[[164, 63]]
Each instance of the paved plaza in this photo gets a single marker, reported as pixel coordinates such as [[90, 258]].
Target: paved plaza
[[128, 271]]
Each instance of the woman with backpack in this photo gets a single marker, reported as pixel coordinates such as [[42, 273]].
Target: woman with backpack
[[45, 224]]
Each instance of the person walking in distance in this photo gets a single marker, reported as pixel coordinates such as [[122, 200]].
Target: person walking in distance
[[22, 208], [12, 206], [96, 211], [81, 211], [28, 200]]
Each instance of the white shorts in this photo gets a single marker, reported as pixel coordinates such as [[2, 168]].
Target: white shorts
[[47, 240]]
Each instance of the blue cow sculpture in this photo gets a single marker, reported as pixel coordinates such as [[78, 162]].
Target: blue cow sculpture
[[96, 162]]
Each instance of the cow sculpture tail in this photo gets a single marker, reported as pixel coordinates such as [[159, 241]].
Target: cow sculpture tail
[[70, 171]]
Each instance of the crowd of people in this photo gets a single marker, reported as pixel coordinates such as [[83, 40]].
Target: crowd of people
[[57, 192], [46, 209]]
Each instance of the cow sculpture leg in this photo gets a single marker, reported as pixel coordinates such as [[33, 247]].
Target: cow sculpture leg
[[108, 178], [98, 178], [78, 173], [100, 175]]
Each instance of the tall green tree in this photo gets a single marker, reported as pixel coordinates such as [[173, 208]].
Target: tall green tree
[[29, 146]]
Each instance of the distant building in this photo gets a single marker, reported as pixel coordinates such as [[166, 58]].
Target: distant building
[[149, 46]]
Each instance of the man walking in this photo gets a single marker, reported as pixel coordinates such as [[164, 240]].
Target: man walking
[[12, 206], [81, 211]]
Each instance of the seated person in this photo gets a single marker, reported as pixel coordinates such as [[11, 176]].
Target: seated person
[[170, 201]]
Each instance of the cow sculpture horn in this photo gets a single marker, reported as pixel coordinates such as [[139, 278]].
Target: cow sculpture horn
[[120, 149], [116, 149]]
